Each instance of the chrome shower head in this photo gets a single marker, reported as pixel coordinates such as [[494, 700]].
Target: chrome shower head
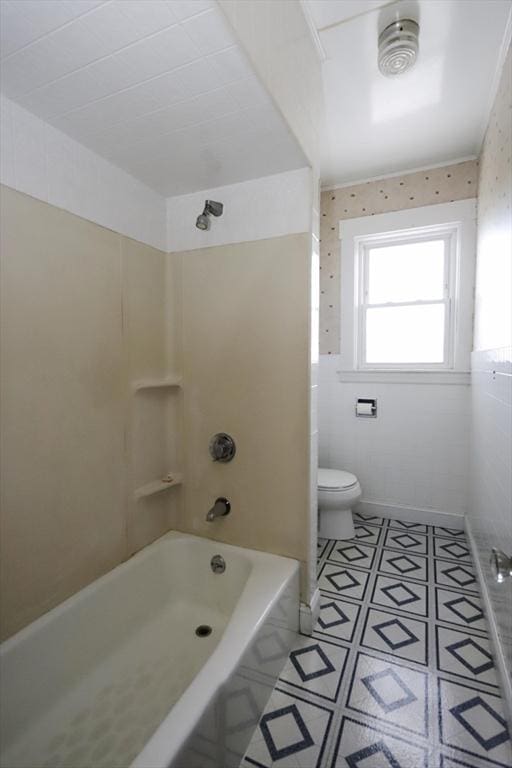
[[203, 221], [211, 207]]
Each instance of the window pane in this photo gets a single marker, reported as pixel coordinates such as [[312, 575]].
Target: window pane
[[408, 272], [405, 334]]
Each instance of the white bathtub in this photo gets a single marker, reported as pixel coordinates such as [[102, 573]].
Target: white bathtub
[[116, 675]]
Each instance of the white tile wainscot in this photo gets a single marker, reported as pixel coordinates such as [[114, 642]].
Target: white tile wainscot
[[412, 460], [490, 508]]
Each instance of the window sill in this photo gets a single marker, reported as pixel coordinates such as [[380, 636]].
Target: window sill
[[460, 378]]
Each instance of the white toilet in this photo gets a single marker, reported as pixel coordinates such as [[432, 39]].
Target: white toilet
[[338, 491]]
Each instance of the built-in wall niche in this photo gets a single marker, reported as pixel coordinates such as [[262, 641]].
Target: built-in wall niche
[[156, 435]]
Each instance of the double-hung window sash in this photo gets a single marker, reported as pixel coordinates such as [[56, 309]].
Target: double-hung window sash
[[405, 302]]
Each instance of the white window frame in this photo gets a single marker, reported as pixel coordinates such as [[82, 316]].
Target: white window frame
[[456, 223], [450, 236]]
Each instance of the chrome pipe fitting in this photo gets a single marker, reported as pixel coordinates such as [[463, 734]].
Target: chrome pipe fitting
[[221, 508], [501, 565], [218, 564]]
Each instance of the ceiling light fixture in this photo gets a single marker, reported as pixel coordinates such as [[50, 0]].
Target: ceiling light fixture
[[398, 47]]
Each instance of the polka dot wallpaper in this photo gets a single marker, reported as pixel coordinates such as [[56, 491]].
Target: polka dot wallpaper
[[437, 185]]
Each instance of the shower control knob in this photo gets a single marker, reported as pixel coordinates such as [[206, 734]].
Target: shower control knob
[[222, 447]]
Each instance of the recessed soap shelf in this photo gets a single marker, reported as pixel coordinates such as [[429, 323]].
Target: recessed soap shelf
[[170, 381], [157, 486]]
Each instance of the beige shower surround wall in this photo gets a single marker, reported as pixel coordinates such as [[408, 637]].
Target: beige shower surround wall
[[83, 315], [246, 372], [395, 193], [85, 312]]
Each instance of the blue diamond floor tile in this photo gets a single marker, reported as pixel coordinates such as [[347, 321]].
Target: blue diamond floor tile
[[464, 610], [399, 671], [338, 619], [473, 723], [353, 552], [466, 656], [343, 580], [361, 746], [406, 541], [392, 693], [452, 549], [398, 636], [397, 593], [455, 575], [451, 533], [292, 731], [403, 565], [316, 666]]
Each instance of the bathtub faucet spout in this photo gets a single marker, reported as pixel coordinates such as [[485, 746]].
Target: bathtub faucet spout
[[221, 507]]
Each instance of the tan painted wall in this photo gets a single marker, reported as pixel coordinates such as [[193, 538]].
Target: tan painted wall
[[246, 372], [83, 315]]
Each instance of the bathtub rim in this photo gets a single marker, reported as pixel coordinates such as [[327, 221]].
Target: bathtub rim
[[89, 589], [270, 575], [174, 730]]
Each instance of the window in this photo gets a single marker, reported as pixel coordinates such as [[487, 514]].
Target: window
[[407, 281], [405, 300]]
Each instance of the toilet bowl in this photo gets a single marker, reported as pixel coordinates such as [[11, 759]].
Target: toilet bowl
[[338, 491]]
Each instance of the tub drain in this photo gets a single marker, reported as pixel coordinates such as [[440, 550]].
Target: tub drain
[[203, 630]]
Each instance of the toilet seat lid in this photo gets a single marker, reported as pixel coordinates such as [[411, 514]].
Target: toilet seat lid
[[335, 480]]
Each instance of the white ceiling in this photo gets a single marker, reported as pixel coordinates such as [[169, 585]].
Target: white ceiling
[[158, 87], [437, 112]]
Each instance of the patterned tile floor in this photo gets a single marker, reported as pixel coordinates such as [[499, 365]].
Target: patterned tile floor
[[398, 673]]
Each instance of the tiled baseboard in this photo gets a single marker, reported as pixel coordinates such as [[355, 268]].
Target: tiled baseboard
[[412, 514], [501, 663], [309, 614]]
